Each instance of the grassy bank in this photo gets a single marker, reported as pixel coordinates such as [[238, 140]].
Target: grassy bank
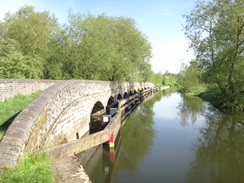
[[35, 168], [10, 108], [224, 102]]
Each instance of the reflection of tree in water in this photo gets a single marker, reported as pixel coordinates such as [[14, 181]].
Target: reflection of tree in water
[[189, 109], [137, 135], [219, 152], [168, 91]]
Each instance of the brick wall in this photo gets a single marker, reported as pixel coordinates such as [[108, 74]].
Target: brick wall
[[11, 87]]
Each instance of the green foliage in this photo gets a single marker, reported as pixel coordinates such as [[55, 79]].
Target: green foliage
[[35, 168], [13, 64], [190, 78], [107, 48], [218, 99], [159, 79], [170, 79], [11, 107], [24, 43], [33, 45], [215, 30], [156, 79]]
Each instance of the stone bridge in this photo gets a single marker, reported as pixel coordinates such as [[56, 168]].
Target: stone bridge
[[60, 114]]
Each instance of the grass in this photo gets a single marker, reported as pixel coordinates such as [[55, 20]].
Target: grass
[[34, 169], [10, 108], [196, 91], [1, 133]]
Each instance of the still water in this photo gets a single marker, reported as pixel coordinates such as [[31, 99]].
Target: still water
[[174, 139]]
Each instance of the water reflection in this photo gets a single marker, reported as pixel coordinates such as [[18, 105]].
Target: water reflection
[[219, 150], [190, 108], [138, 134], [136, 139], [175, 138]]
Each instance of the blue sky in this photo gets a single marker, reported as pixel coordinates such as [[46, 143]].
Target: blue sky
[[160, 20]]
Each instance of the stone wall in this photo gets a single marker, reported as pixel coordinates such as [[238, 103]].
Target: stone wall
[[58, 114], [11, 87]]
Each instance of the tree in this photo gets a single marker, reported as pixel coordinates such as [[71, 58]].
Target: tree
[[88, 47], [32, 31], [13, 64], [215, 30], [190, 77], [108, 48]]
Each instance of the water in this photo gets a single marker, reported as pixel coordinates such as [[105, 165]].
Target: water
[[174, 139]]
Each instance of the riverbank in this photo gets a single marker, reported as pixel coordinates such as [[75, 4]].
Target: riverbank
[[33, 168], [220, 101], [224, 102], [69, 170], [40, 168]]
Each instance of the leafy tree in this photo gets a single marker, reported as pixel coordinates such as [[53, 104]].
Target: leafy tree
[[13, 64], [170, 79], [109, 48], [190, 77], [215, 30], [32, 31], [88, 47], [157, 79]]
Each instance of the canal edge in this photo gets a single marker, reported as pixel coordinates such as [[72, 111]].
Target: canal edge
[[69, 170]]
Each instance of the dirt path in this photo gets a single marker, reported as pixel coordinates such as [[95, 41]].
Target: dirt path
[[69, 170]]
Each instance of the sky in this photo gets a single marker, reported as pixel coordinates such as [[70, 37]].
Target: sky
[[159, 20]]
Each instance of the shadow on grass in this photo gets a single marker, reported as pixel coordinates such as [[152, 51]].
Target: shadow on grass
[[6, 124]]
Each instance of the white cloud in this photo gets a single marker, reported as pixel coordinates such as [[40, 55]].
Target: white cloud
[[169, 56]]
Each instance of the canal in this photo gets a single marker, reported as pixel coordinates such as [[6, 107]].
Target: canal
[[173, 138]]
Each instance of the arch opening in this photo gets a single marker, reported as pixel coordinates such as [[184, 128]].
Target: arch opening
[[119, 97], [111, 103], [95, 118], [125, 95], [77, 135]]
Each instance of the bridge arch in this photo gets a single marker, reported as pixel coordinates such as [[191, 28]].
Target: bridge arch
[[119, 97], [60, 114], [110, 101], [125, 95], [95, 121]]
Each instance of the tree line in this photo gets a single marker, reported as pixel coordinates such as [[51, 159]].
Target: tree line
[[216, 33], [34, 45]]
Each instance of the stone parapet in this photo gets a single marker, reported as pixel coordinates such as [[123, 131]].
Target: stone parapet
[[58, 114], [11, 87]]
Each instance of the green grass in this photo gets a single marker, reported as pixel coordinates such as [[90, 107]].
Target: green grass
[[10, 108], [1, 133], [35, 169], [196, 91]]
